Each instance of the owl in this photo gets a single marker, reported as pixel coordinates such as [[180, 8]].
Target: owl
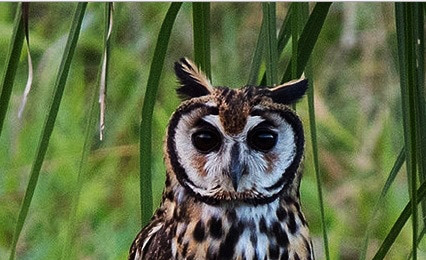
[[233, 160]]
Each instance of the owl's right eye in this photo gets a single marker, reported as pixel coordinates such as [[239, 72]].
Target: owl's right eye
[[206, 140]]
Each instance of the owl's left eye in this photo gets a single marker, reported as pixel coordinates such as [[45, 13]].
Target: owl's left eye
[[206, 140], [262, 139]]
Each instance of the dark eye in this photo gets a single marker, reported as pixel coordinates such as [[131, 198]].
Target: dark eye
[[262, 139], [206, 140]]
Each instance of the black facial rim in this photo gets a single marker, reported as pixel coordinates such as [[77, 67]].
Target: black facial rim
[[287, 177]]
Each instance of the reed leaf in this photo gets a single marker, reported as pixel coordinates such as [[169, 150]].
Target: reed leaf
[[408, 17], [67, 248], [257, 56], [104, 69], [148, 109], [391, 177], [399, 224], [420, 96], [269, 14], [307, 39], [282, 41], [201, 29], [12, 62], [25, 10], [304, 12], [50, 121]]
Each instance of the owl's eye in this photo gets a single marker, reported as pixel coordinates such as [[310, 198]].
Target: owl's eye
[[206, 140], [262, 139]]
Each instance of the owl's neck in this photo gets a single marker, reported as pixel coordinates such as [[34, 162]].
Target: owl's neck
[[231, 230]]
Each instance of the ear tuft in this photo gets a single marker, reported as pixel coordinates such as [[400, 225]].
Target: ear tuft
[[193, 83], [290, 92]]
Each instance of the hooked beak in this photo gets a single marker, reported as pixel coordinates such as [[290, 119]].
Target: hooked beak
[[236, 168]]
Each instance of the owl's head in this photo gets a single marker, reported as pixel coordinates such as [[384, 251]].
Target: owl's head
[[235, 144]]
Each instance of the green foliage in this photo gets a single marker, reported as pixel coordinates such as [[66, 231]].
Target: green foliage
[[148, 109], [12, 64], [86, 202], [50, 122]]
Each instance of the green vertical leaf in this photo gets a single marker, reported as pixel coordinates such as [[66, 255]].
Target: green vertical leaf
[[307, 39], [67, 248], [50, 121], [257, 56], [148, 109], [399, 224], [269, 14], [12, 61], [407, 19], [304, 12], [391, 177], [420, 95], [283, 39], [201, 28]]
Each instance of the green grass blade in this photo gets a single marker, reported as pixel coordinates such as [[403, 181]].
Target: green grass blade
[[407, 41], [257, 56], [25, 10], [285, 31], [269, 14], [420, 96], [50, 121], [283, 38], [89, 131], [313, 127], [201, 27], [298, 20], [148, 109], [307, 39], [419, 239], [104, 67], [399, 224], [90, 126], [392, 175], [294, 37], [12, 61]]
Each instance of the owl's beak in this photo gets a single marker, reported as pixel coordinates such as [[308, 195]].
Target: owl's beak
[[236, 168]]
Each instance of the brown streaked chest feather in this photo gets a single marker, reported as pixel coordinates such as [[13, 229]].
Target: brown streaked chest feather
[[195, 230]]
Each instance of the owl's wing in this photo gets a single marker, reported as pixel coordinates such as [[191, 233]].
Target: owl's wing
[[153, 242]]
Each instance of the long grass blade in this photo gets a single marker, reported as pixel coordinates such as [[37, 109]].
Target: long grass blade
[[307, 39], [283, 38], [313, 127], [201, 27], [50, 121], [90, 126], [399, 224], [67, 248], [420, 96], [391, 177], [269, 14], [104, 68], [257, 56], [148, 109], [406, 17], [25, 10], [421, 235], [285, 31], [12, 61]]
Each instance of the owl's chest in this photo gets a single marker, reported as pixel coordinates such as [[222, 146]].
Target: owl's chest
[[261, 232]]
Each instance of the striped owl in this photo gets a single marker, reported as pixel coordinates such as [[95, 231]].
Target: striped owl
[[233, 159]]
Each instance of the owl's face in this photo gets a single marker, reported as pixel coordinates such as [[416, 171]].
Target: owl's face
[[234, 145]]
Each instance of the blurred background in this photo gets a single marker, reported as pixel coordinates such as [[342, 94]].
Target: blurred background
[[357, 101]]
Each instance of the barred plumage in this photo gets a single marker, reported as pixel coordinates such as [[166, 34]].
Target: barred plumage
[[233, 159]]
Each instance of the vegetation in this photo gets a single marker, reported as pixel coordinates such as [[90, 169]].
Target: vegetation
[[64, 193]]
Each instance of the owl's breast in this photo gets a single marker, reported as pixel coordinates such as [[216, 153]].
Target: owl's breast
[[271, 231]]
